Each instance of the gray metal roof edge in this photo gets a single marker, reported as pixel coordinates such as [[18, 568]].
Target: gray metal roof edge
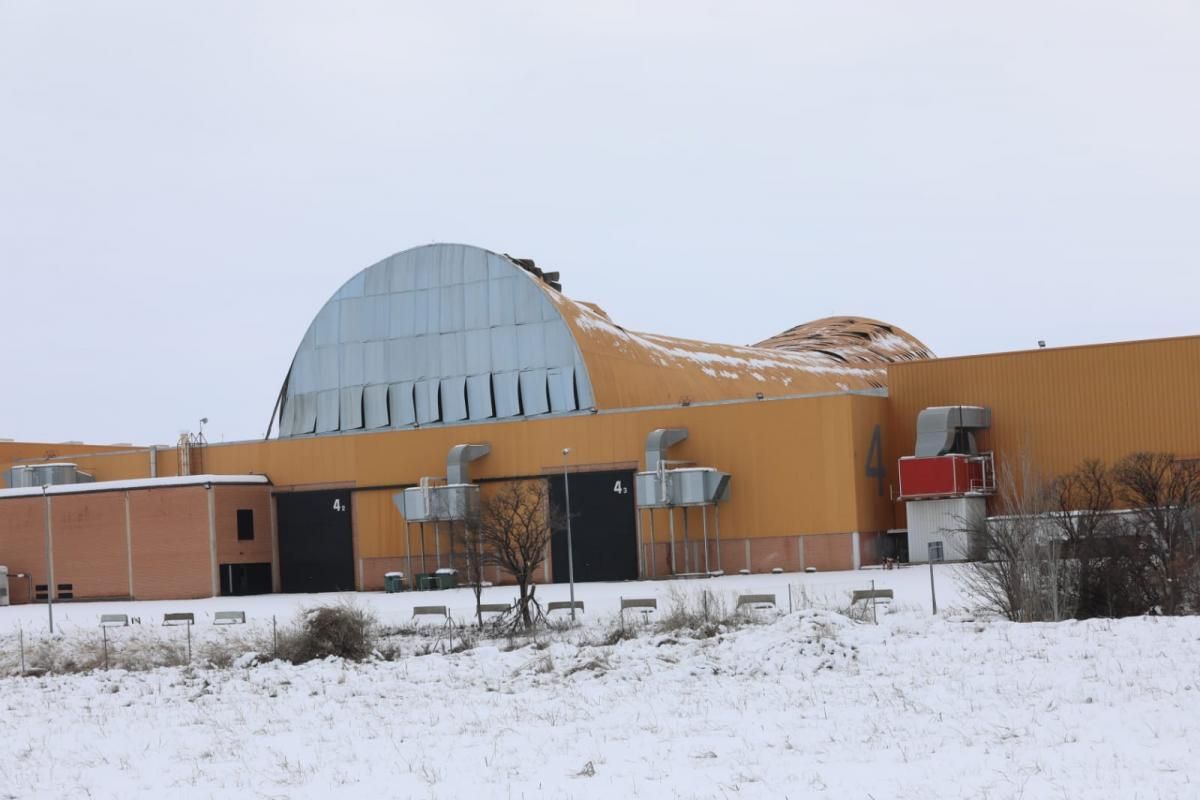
[[137, 483]]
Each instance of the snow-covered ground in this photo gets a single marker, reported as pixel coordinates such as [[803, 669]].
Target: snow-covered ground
[[806, 704]]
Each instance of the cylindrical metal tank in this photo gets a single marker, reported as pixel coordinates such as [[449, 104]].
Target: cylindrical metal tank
[[28, 475]]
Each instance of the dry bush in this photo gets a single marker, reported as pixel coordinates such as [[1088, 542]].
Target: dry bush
[[342, 631], [702, 616]]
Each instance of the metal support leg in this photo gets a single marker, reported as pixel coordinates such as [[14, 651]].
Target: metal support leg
[[653, 554], [640, 546], [717, 514], [704, 516], [424, 564], [671, 525], [687, 556]]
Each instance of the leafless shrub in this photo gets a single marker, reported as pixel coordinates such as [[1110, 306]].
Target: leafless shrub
[[702, 615], [343, 631], [1018, 575], [1163, 494]]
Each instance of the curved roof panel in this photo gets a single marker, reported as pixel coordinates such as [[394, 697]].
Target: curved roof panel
[[438, 334], [454, 334], [638, 369]]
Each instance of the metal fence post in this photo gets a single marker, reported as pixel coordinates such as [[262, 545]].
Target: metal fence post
[[874, 614]]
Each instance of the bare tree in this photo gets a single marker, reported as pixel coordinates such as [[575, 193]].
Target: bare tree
[[1019, 573], [470, 561], [1163, 495], [514, 529], [1083, 501]]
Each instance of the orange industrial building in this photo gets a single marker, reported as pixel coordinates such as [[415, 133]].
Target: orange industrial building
[[683, 457]]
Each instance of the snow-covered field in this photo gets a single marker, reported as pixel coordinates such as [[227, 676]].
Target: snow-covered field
[[806, 704]]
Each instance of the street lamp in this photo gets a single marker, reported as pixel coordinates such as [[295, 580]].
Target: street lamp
[[570, 546], [49, 560]]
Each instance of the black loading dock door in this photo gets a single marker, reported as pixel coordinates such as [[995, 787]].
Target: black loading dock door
[[241, 579], [316, 545], [603, 527]]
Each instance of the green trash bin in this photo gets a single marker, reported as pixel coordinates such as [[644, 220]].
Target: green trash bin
[[446, 578], [393, 582], [426, 582]]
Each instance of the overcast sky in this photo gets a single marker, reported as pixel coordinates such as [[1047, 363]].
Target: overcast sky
[[183, 185]]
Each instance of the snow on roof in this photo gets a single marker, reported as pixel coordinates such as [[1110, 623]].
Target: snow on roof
[[139, 483]]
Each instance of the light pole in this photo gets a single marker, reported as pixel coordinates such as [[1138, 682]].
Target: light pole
[[570, 545], [49, 560]]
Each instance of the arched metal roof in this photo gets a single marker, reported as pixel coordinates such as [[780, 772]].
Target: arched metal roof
[[453, 334], [444, 333]]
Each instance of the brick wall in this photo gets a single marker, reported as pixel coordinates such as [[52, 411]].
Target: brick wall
[[229, 499], [89, 544], [22, 543], [171, 555]]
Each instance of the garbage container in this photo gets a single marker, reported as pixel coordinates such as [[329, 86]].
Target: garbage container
[[426, 582], [446, 578], [393, 582]]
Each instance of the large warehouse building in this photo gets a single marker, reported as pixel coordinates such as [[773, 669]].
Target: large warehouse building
[[683, 457]]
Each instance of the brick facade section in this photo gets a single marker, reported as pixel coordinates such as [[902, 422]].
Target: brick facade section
[[231, 550], [23, 544], [89, 544], [171, 555]]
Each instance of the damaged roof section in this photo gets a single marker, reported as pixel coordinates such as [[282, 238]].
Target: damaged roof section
[[851, 340]]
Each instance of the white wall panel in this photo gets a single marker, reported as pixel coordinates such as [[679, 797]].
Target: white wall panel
[[534, 399], [426, 396], [479, 397], [327, 411], [454, 399], [401, 405], [375, 406], [505, 386], [351, 411]]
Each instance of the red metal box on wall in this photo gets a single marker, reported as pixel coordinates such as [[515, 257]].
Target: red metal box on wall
[[939, 476]]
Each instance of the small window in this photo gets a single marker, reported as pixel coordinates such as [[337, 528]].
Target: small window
[[245, 524]]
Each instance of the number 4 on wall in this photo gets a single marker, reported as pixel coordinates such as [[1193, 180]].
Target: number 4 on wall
[[875, 468], [337, 505], [620, 488]]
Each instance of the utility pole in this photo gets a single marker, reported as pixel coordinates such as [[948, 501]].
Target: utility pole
[[49, 559], [570, 547], [932, 589]]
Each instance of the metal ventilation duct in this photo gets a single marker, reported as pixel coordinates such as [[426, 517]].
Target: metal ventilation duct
[[663, 487], [657, 444], [449, 499], [950, 429], [457, 470]]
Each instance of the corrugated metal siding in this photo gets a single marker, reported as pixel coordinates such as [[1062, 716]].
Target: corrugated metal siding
[[1062, 406], [942, 521], [797, 464], [431, 315]]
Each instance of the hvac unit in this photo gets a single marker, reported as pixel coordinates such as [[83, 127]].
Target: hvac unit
[[31, 475], [681, 486], [445, 499], [946, 476]]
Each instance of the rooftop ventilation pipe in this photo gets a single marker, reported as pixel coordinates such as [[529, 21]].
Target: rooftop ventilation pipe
[[942, 430], [461, 455], [657, 444]]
